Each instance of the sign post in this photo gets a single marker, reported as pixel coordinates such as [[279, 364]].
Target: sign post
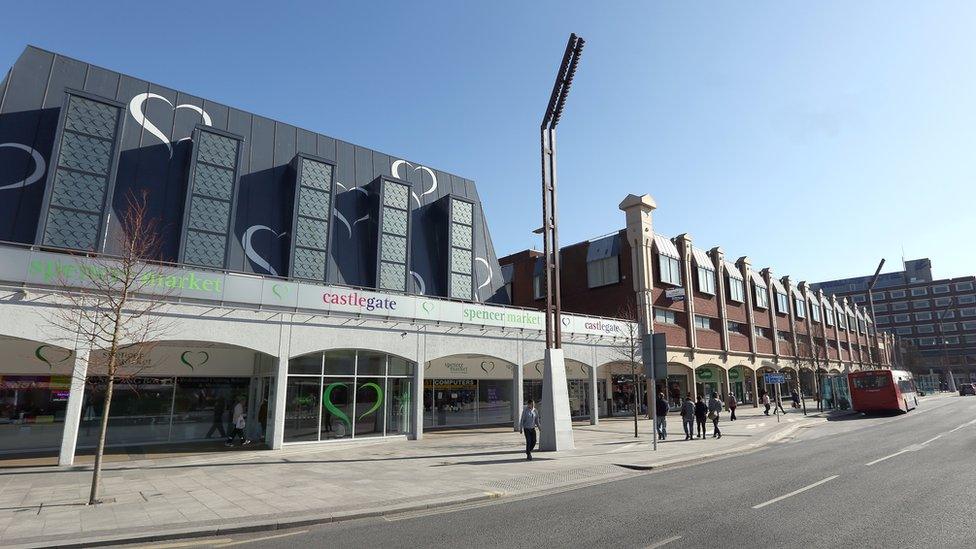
[[777, 379], [654, 353]]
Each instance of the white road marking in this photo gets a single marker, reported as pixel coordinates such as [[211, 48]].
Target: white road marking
[[936, 437], [795, 492], [751, 426], [898, 453], [265, 538], [663, 542], [623, 448], [963, 425]]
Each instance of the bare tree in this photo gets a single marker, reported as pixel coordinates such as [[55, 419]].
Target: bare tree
[[111, 309], [813, 352], [628, 348]]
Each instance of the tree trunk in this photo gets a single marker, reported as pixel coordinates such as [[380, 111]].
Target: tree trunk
[[633, 373], [97, 471]]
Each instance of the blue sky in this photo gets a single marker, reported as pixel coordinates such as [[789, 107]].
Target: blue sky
[[814, 137]]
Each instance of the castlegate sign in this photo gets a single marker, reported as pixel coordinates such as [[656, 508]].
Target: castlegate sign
[[57, 270]]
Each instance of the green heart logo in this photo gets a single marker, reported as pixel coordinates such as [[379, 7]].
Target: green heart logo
[[280, 290], [194, 359], [47, 353], [427, 306], [336, 412]]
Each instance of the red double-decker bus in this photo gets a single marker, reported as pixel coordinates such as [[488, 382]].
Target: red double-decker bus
[[883, 390]]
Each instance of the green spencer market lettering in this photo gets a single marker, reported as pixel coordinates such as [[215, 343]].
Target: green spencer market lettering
[[524, 318], [354, 299], [53, 271]]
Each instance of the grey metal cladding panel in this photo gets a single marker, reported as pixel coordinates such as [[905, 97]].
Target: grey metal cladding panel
[[257, 188], [219, 115], [394, 248], [346, 164], [314, 203], [214, 182], [239, 123], [218, 150], [89, 154], [306, 142], [325, 147], [102, 82], [316, 174], [364, 165], [130, 151], [286, 146], [395, 221], [91, 118], [309, 264], [205, 249], [311, 233], [70, 229], [209, 215], [78, 191], [392, 276], [381, 165]]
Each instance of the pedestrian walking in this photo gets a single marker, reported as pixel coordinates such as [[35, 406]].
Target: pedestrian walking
[[218, 418], [662, 419], [527, 426], [714, 413], [766, 402], [239, 418], [796, 399], [688, 417], [779, 405], [701, 413], [731, 403]]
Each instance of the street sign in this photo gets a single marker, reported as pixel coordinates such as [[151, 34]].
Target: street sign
[[772, 379], [675, 294], [654, 353]]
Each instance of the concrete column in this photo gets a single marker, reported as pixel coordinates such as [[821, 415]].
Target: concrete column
[[594, 394], [728, 384], [688, 275], [640, 235], [745, 267], [557, 422], [718, 256], [72, 416], [418, 386], [276, 426], [755, 389], [767, 275], [518, 390]]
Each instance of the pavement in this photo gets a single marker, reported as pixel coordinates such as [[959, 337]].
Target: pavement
[[872, 482], [231, 493]]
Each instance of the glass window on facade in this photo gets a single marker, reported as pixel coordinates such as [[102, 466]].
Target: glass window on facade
[[356, 393], [895, 294], [967, 299], [602, 272], [919, 291], [964, 286], [32, 412], [736, 290], [703, 322], [670, 270], [940, 289], [782, 303], [706, 280], [799, 308], [762, 297], [664, 316]]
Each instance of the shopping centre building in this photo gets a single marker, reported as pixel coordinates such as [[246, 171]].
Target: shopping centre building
[[727, 323], [343, 292]]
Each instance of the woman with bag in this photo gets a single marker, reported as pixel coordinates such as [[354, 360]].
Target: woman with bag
[[714, 412], [731, 403]]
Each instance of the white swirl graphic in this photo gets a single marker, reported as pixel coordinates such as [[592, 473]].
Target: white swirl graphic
[[39, 167], [252, 254], [136, 109], [344, 221], [395, 172], [484, 262], [420, 282]]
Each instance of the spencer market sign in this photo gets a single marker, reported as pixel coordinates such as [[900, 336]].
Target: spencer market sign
[[52, 269]]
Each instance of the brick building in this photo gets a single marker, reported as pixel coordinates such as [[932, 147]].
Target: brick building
[[934, 320], [726, 322]]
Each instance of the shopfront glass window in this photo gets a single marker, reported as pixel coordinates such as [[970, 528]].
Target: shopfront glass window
[[337, 408], [302, 408], [371, 364], [494, 401], [340, 363], [139, 413], [203, 406], [399, 398], [32, 412], [308, 364], [454, 402], [370, 397]]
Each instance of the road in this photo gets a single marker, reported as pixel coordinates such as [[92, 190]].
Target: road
[[900, 481]]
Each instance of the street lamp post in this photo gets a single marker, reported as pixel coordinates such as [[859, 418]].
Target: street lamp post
[[943, 344], [874, 325], [557, 431]]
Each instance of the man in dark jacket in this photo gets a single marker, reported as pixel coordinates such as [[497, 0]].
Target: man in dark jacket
[[688, 417], [701, 413], [662, 420]]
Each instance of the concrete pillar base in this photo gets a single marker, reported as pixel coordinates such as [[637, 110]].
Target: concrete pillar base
[[557, 423], [594, 396]]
